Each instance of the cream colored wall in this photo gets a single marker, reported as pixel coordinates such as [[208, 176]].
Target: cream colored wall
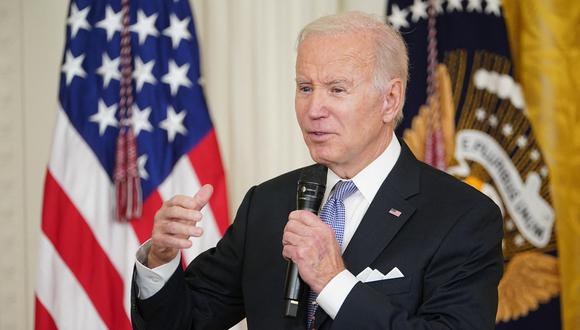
[[248, 53], [31, 35]]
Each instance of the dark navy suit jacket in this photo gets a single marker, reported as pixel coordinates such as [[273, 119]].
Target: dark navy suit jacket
[[446, 242]]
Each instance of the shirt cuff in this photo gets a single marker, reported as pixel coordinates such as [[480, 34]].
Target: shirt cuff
[[150, 281], [335, 292]]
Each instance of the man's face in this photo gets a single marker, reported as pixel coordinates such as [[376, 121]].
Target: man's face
[[345, 120]]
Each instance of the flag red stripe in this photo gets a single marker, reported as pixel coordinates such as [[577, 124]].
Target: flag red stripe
[[206, 161], [144, 225], [64, 226], [43, 320]]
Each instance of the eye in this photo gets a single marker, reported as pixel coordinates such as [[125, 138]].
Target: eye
[[337, 90], [304, 89]]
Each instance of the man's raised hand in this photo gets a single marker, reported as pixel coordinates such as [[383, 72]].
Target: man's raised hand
[[174, 223]]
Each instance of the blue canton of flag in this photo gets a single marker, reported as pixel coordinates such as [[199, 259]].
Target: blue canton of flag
[[169, 111]]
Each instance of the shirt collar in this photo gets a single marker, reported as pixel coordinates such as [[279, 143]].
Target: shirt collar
[[369, 180]]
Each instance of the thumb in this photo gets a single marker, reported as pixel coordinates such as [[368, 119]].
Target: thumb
[[202, 196]]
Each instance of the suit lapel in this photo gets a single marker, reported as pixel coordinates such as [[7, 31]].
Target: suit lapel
[[386, 215], [382, 220], [376, 230]]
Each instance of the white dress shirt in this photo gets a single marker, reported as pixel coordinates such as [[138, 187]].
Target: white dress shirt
[[368, 181]]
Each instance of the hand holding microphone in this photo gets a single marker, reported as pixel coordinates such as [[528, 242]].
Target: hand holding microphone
[[309, 244]]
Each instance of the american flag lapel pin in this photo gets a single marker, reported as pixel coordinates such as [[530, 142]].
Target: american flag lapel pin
[[395, 212]]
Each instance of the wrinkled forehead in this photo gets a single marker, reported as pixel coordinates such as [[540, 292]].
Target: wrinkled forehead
[[336, 51]]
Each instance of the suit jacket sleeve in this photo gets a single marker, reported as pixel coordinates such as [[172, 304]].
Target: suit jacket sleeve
[[459, 283], [208, 295]]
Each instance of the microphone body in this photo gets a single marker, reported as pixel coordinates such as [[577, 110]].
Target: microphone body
[[309, 195]]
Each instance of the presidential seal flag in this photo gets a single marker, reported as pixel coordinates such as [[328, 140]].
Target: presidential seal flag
[[132, 130], [466, 114]]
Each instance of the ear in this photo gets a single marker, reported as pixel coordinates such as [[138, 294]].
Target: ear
[[392, 103]]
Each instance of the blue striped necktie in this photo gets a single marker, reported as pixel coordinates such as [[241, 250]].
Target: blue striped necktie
[[334, 215]]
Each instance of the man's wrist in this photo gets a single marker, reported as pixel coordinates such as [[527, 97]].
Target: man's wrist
[[335, 292], [150, 280], [159, 256]]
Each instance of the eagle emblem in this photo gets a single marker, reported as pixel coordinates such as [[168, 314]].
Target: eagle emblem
[[489, 143]]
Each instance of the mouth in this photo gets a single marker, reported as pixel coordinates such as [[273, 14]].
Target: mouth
[[318, 136]]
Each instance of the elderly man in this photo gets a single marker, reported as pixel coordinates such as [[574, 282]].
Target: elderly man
[[399, 246]]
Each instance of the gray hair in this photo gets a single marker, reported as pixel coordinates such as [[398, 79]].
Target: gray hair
[[392, 60]]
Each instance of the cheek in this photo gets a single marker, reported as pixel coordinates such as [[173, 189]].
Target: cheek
[[300, 114]]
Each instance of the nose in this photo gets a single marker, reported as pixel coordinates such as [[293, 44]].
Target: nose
[[318, 106]]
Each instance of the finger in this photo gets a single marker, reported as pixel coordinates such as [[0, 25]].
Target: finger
[[175, 242], [306, 217], [290, 238], [298, 228], [197, 202], [288, 252], [202, 197], [181, 201], [184, 229], [180, 213]]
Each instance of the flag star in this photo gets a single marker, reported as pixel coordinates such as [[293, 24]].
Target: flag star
[[398, 17], [143, 73], [544, 171], [493, 121], [507, 130], [145, 26], [141, 162], [111, 23], [480, 114], [173, 124], [177, 30], [454, 5], [105, 117], [438, 6], [474, 5], [73, 67], [176, 77], [521, 141], [140, 120], [419, 10], [493, 7], [109, 69], [78, 19], [534, 155]]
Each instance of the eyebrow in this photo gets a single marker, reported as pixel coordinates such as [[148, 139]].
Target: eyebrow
[[338, 81], [327, 83]]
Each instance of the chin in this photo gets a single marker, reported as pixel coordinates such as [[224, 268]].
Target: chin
[[320, 158]]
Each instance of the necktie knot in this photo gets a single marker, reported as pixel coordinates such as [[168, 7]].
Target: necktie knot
[[343, 189]]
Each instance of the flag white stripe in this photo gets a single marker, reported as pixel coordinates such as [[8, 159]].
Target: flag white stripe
[[183, 181], [57, 284], [79, 173]]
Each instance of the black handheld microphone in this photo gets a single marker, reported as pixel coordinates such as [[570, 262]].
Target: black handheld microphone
[[309, 194]]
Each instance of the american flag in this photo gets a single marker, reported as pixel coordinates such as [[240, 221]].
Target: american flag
[[86, 255]]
